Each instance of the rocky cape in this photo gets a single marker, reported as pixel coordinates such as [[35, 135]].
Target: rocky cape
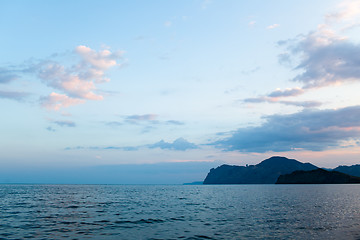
[[266, 172], [317, 176]]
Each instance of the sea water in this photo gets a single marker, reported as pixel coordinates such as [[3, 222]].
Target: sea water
[[180, 212]]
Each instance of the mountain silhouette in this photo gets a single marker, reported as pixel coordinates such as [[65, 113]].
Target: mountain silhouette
[[317, 176], [353, 170], [266, 172]]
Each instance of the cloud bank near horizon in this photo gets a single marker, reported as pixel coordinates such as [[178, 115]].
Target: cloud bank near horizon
[[313, 130], [179, 144]]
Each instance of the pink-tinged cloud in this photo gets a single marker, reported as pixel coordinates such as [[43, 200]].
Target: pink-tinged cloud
[[100, 60], [56, 101], [348, 10], [289, 92], [57, 76], [278, 95], [78, 81]]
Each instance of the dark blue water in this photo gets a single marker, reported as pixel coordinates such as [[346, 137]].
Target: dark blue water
[[180, 212]]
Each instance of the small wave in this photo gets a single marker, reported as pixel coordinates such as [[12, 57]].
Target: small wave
[[150, 220], [197, 237], [73, 206]]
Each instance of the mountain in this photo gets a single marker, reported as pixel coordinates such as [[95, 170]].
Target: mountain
[[266, 172], [317, 176], [353, 170]]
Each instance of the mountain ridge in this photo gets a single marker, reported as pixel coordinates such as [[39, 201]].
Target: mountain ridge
[[267, 171], [317, 176]]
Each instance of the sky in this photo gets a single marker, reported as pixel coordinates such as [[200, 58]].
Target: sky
[[104, 91]]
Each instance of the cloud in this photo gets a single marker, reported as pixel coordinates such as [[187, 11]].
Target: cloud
[[278, 94], [174, 122], [103, 148], [323, 57], [55, 101], [134, 119], [58, 77], [76, 81], [313, 130], [305, 104], [273, 26], [149, 120], [251, 71], [64, 123], [252, 23], [289, 92], [114, 123], [7, 76], [168, 24], [101, 60], [17, 96], [205, 4], [179, 144], [326, 59], [347, 11], [50, 129]]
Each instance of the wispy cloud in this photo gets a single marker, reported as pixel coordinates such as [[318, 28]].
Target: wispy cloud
[[64, 123], [347, 10], [135, 119], [205, 4], [17, 96], [50, 129], [174, 122], [167, 23], [149, 121], [179, 144], [273, 26], [7, 76], [304, 104], [313, 130], [252, 23], [278, 95]]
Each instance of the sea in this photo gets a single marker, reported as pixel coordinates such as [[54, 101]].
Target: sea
[[179, 211]]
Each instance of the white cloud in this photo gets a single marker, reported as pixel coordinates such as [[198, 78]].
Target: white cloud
[[273, 26], [168, 24], [205, 4], [252, 23]]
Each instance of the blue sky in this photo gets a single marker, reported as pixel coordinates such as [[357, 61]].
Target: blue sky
[[87, 84]]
